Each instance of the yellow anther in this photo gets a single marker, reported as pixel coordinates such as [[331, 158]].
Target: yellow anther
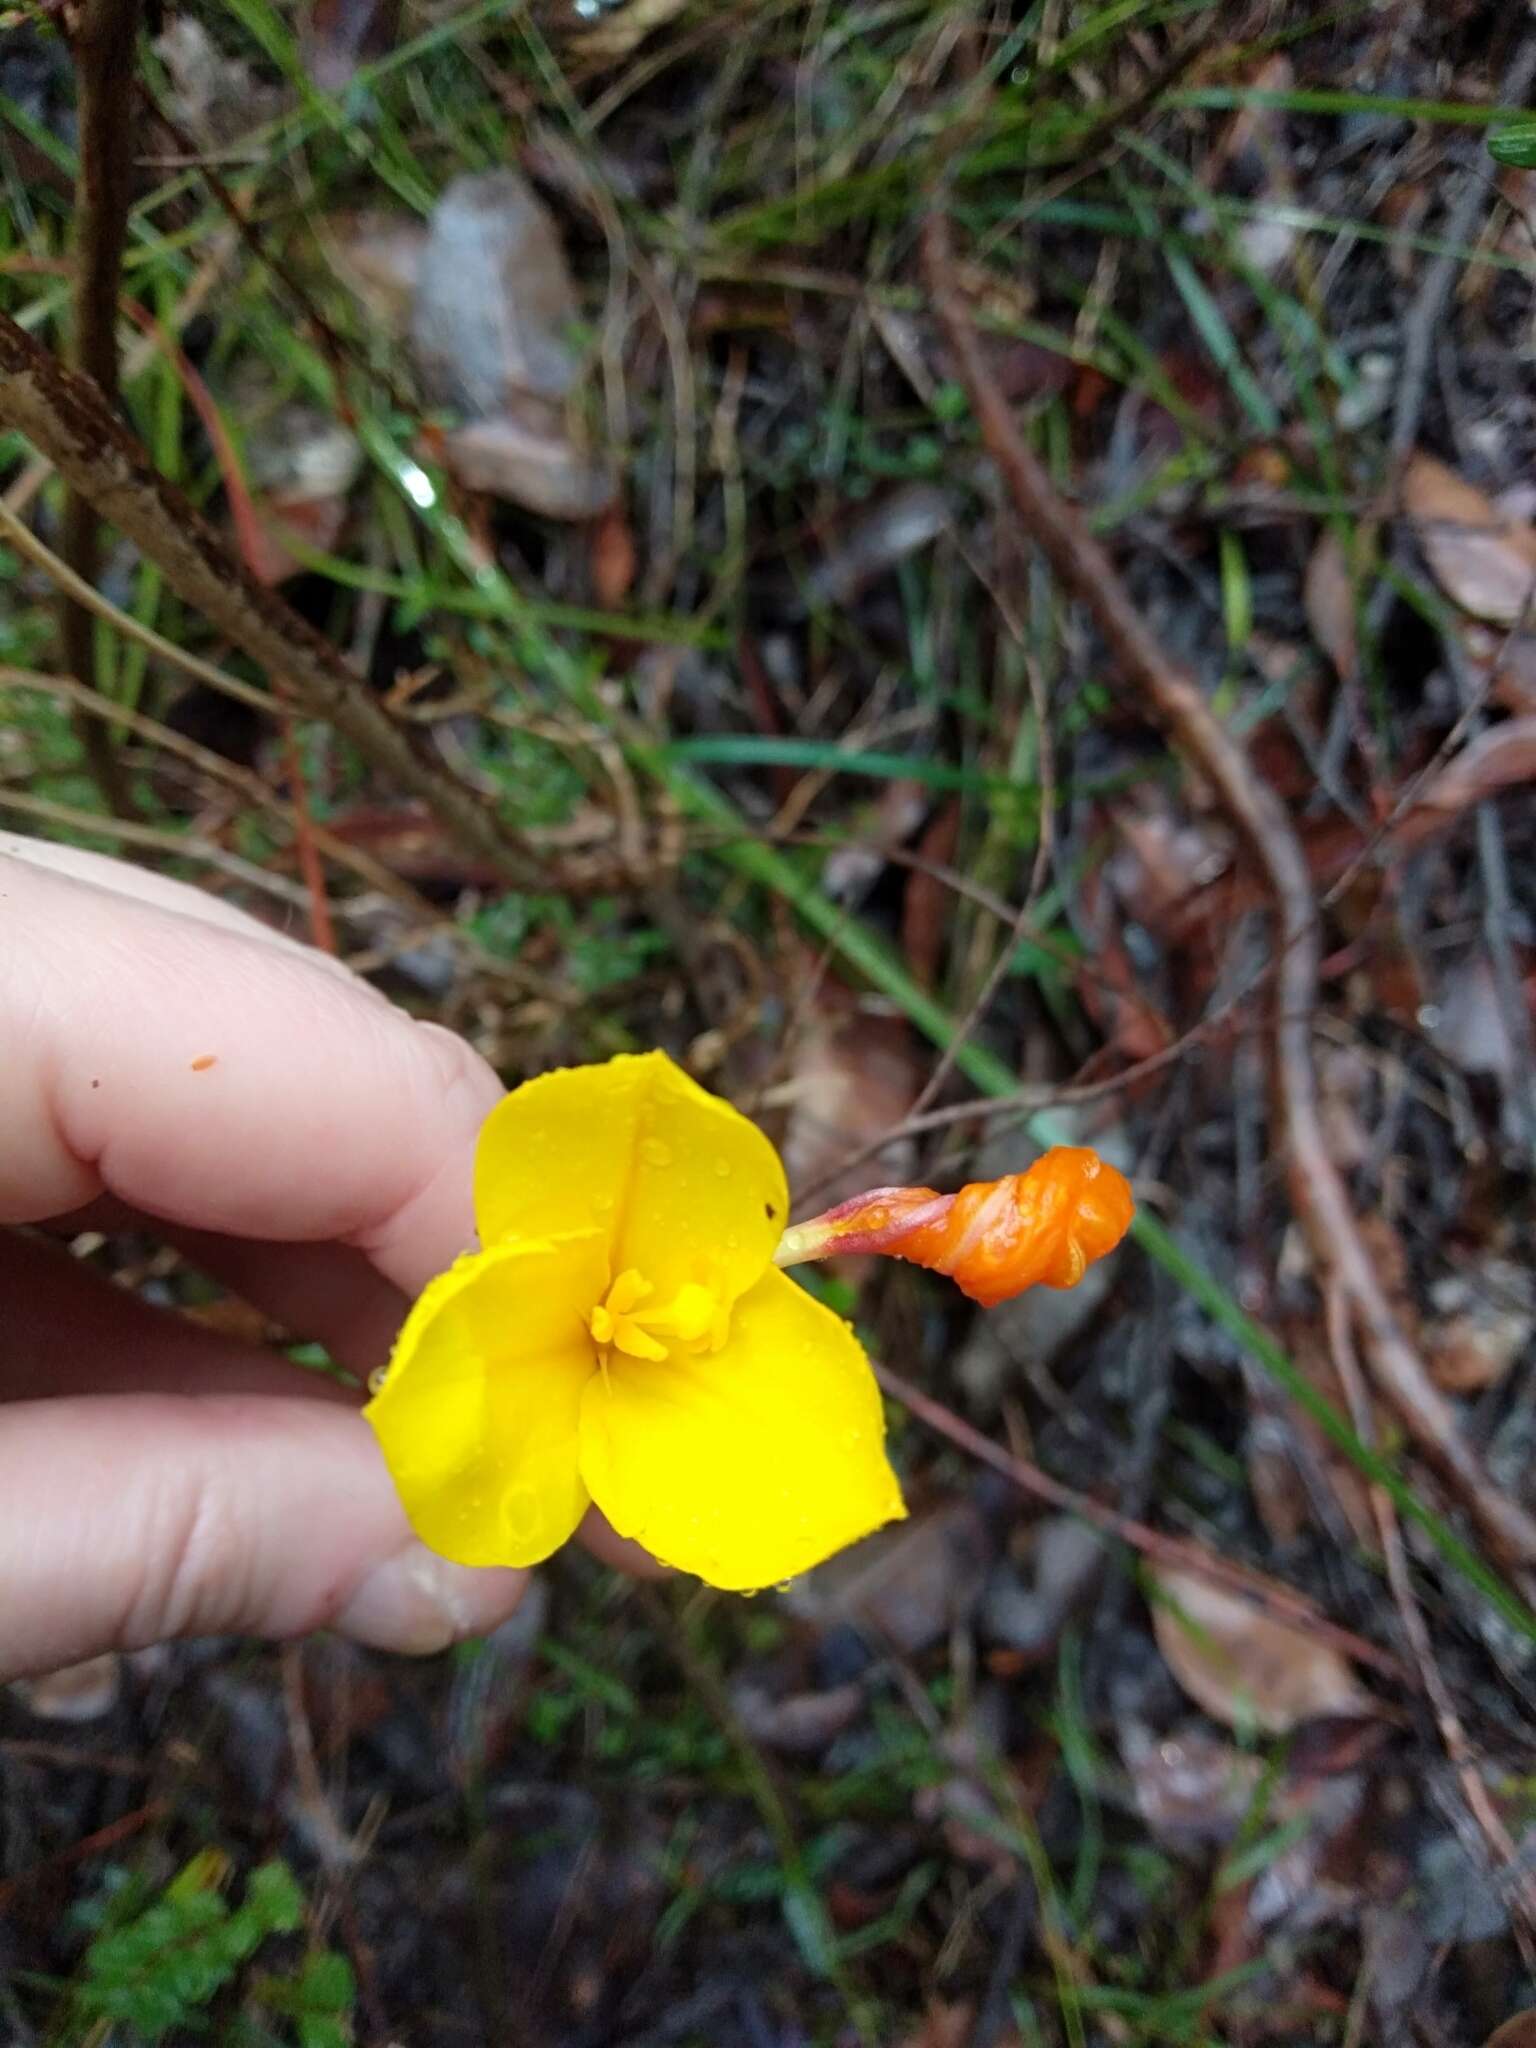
[[693, 1320]]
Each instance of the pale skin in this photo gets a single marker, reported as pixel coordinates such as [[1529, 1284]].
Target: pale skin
[[169, 1064]]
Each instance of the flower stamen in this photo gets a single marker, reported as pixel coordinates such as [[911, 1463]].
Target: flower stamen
[[694, 1320]]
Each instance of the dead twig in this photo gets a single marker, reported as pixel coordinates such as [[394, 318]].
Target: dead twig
[[1422, 324], [241, 782], [1453, 1735], [103, 48], [1421, 328], [1176, 1553], [1172, 697], [80, 1852], [66, 419], [1045, 846]]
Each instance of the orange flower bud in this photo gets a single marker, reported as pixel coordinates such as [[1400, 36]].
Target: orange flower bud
[[994, 1238]]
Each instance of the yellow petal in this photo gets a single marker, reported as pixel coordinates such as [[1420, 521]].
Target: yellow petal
[[478, 1416], [687, 1188], [750, 1464]]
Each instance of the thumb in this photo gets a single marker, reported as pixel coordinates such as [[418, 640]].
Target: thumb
[[127, 1519]]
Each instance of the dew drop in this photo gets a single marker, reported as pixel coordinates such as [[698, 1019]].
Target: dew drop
[[602, 1201], [521, 1515], [732, 1241], [723, 1168], [655, 1153]]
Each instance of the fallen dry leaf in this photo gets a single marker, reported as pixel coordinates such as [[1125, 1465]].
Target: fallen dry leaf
[[856, 1075], [877, 539], [287, 526], [1328, 593], [301, 467], [495, 302], [875, 831], [1192, 1788], [1469, 1025], [1486, 1319], [1163, 864], [928, 900], [907, 1585], [545, 472], [1504, 665], [491, 332], [612, 557], [336, 36], [797, 1723], [1245, 1668], [1482, 559], [1495, 760], [377, 256], [625, 30], [951, 2026], [214, 97]]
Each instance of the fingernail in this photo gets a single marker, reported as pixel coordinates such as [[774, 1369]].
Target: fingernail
[[417, 1602]]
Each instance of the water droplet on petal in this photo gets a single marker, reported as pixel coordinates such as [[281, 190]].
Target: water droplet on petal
[[521, 1513], [655, 1153], [723, 1168], [732, 1241]]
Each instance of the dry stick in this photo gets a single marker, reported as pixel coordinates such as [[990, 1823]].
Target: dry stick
[[338, 351], [26, 543], [136, 358], [1044, 849], [1316, 1187], [1453, 1735], [79, 1852], [248, 784], [1421, 329], [247, 532], [1422, 325], [130, 832], [65, 418], [1279, 1601], [90, 704], [103, 46]]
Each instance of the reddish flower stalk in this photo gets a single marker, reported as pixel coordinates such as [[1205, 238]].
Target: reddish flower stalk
[[994, 1238]]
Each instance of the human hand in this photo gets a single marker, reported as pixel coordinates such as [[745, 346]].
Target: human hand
[[168, 1063]]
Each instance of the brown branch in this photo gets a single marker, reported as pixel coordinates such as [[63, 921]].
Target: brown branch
[[1174, 700], [1280, 1601], [103, 48], [1453, 1735], [65, 417]]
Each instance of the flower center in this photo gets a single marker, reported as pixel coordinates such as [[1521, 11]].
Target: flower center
[[695, 1320]]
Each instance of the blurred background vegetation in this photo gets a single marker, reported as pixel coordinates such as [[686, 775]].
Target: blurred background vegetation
[[577, 375]]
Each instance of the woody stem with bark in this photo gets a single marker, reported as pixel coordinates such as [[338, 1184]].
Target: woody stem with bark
[[103, 46], [65, 417]]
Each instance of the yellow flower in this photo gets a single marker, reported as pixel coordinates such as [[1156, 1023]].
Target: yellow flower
[[623, 1337]]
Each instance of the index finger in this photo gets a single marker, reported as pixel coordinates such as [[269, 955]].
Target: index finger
[[221, 1078]]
